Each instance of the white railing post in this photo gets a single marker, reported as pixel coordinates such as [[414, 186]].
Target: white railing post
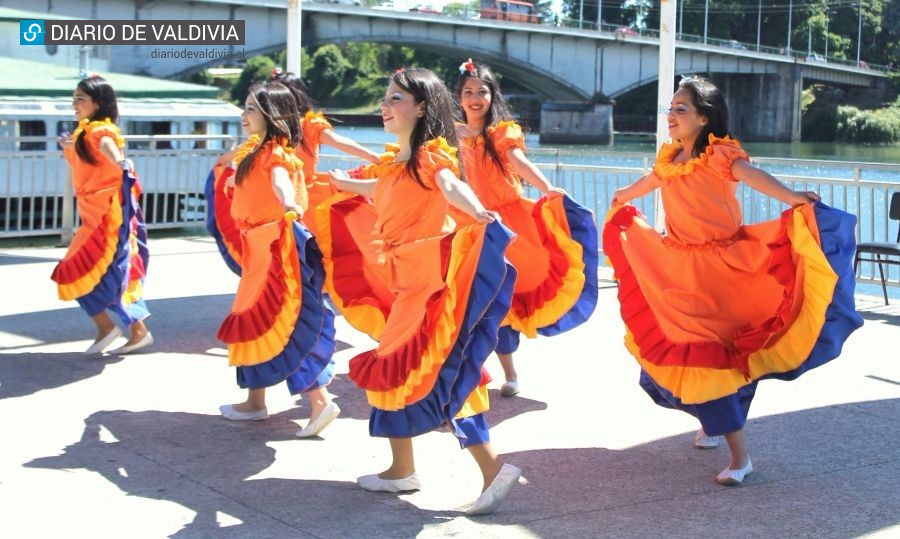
[[68, 210], [664, 88]]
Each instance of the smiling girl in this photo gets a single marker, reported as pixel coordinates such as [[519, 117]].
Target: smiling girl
[[432, 296], [714, 306], [279, 327], [555, 252], [105, 264]]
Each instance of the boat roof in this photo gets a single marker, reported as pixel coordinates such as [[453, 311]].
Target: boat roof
[[60, 108], [27, 78]]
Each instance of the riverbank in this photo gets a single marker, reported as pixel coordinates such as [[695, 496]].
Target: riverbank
[[372, 133]]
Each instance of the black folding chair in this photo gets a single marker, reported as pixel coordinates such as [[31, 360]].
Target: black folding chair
[[883, 252]]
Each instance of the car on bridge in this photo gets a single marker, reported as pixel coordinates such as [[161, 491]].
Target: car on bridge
[[426, 8], [815, 57]]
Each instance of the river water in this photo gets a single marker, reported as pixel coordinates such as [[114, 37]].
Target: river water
[[629, 144]]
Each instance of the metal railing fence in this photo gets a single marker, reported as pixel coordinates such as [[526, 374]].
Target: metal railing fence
[[34, 198]]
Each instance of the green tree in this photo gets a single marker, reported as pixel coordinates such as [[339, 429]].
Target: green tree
[[394, 57], [305, 61], [258, 68], [739, 20], [363, 57], [463, 9], [201, 77], [329, 67]]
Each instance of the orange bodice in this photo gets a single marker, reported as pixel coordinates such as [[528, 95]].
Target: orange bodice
[[699, 194], [495, 186], [255, 201], [89, 178]]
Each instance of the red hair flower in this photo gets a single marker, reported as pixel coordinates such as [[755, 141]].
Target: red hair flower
[[277, 72], [467, 66]]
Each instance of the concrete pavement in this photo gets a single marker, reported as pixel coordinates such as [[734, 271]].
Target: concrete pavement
[[134, 446]]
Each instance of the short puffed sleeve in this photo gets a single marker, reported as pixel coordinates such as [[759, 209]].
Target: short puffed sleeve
[[721, 153], [96, 134], [434, 156], [507, 135], [313, 125]]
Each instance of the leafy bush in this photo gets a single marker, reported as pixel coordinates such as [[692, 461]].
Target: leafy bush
[[258, 68], [872, 126], [329, 67], [362, 92]]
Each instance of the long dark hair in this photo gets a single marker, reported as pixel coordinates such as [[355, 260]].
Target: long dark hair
[[498, 112], [277, 105], [101, 92], [711, 105], [301, 95], [437, 121]]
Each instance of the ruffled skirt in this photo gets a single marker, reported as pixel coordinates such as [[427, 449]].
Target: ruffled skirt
[[105, 265], [435, 306], [279, 327], [706, 322], [219, 222], [555, 255]]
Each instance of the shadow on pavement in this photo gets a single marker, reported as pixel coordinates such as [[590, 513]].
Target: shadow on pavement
[[887, 318], [204, 463], [179, 326], [826, 472], [15, 260], [27, 373]]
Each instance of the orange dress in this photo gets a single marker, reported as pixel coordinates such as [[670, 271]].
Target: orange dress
[[555, 252], [279, 327], [106, 262], [714, 305], [433, 297], [318, 185]]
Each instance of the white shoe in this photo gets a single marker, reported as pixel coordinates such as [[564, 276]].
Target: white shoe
[[733, 478], [702, 441], [104, 341], [228, 412], [145, 341], [491, 498], [377, 484], [317, 425], [509, 389]]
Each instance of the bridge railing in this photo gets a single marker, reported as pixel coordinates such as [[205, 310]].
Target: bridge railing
[[36, 196], [623, 32]]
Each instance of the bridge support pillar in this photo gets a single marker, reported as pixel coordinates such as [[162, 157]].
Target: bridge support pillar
[[765, 107], [576, 123]]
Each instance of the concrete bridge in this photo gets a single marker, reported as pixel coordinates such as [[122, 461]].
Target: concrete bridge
[[576, 72]]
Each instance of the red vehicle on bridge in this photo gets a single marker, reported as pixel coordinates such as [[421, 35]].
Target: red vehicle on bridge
[[509, 10]]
